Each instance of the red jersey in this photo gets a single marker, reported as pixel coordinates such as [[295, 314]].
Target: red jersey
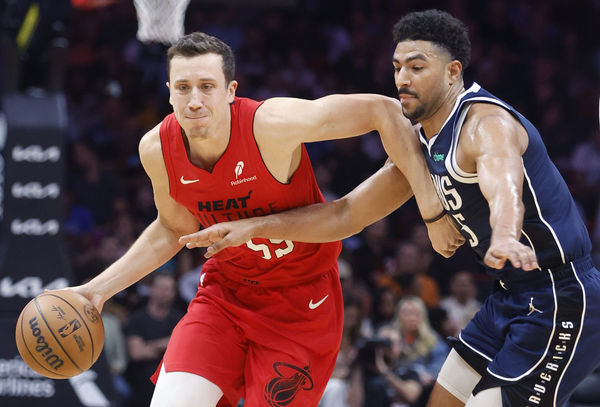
[[240, 186]]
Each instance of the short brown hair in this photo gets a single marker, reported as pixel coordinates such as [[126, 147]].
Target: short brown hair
[[199, 43]]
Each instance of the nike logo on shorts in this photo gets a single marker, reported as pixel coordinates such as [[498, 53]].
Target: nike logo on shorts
[[313, 305]]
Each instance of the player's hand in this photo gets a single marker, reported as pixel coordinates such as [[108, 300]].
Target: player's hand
[[507, 248], [219, 236], [445, 237], [95, 298]]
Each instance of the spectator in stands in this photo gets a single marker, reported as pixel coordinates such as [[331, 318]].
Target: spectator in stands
[[94, 186], [147, 332], [414, 343], [344, 388], [406, 275], [462, 302], [115, 347]]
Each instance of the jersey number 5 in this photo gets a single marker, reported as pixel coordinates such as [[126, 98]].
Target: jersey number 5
[[266, 250]]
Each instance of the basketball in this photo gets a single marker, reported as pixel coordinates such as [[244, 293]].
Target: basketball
[[59, 334]]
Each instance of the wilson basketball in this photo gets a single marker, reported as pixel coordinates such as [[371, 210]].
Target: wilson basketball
[[59, 334]]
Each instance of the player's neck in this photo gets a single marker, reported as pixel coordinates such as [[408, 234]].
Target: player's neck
[[432, 125], [204, 152]]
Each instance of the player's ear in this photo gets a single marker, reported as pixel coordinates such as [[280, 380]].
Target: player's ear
[[454, 70], [169, 87], [231, 88]]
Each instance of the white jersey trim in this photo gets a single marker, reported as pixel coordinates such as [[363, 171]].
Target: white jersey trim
[[473, 88], [451, 165], [537, 206], [529, 240], [424, 141], [473, 349]]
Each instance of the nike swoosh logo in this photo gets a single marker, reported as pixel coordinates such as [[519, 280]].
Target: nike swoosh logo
[[188, 181], [312, 305]]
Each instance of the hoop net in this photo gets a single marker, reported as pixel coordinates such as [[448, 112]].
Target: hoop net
[[160, 20]]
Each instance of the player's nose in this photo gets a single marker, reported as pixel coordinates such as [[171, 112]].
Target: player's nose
[[402, 79], [196, 99]]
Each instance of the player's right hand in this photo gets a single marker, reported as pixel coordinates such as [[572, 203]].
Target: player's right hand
[[444, 236], [219, 236]]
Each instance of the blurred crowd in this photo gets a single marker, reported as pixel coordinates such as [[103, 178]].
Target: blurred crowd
[[402, 300]]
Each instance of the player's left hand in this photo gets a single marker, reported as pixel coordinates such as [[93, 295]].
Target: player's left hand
[[219, 236], [445, 237], [507, 248]]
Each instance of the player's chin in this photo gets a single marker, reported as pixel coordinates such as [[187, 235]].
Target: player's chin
[[197, 130]]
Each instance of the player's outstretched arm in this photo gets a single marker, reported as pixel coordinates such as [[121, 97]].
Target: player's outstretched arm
[[401, 141], [372, 200], [157, 244], [281, 124], [496, 143], [288, 122]]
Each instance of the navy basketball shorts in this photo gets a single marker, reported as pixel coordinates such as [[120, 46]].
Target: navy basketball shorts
[[537, 338]]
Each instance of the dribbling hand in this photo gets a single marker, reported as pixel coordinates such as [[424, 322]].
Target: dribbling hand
[[94, 298]]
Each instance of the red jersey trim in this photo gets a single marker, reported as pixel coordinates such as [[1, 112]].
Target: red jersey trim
[[167, 157]]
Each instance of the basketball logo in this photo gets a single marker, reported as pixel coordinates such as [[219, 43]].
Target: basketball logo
[[69, 328], [282, 390]]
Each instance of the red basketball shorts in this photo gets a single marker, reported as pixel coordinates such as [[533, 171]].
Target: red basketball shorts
[[271, 346]]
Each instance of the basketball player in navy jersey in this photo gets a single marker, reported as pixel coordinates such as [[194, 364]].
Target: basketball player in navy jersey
[[536, 336], [266, 322]]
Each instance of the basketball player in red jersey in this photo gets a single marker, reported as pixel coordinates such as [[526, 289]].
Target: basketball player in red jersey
[[267, 319]]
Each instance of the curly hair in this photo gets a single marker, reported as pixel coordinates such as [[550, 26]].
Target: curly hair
[[439, 28], [199, 43]]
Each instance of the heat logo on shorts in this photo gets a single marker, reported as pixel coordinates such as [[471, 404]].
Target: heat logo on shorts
[[282, 390]]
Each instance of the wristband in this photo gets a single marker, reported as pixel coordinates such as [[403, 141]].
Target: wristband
[[435, 218]]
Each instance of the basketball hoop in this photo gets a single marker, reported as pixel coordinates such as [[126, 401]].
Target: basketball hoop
[[160, 20]]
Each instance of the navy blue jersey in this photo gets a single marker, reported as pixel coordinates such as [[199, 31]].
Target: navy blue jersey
[[551, 225]]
